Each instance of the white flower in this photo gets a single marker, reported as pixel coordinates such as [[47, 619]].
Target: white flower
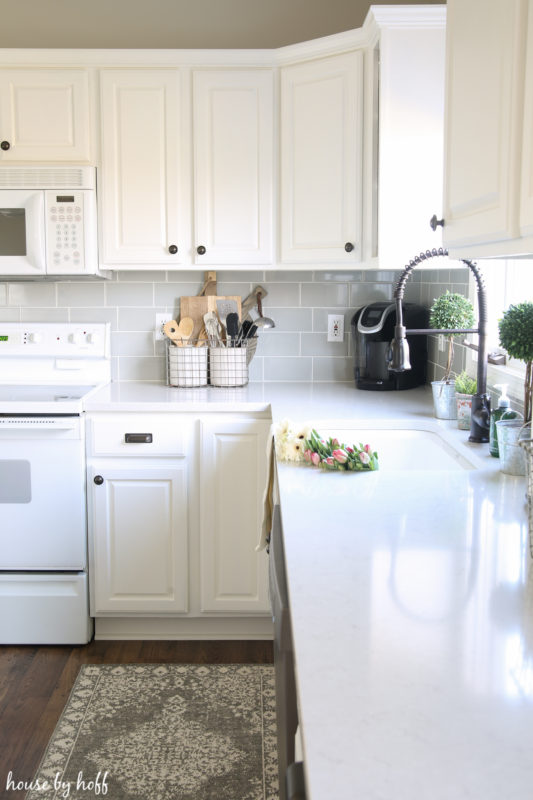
[[282, 428], [293, 450]]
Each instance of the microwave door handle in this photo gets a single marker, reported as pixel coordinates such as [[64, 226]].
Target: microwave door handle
[[35, 238]]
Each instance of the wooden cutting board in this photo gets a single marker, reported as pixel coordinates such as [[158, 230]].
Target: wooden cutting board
[[195, 307]]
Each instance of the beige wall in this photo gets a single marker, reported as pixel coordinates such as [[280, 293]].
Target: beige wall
[[177, 23]]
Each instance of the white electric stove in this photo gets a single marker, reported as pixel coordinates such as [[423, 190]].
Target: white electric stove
[[46, 372]]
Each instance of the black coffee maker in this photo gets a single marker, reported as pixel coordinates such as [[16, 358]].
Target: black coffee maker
[[372, 332]]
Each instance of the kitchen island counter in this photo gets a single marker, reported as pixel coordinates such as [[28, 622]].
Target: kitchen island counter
[[411, 603]]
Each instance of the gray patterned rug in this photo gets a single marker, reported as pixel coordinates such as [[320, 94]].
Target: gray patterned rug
[[164, 732]]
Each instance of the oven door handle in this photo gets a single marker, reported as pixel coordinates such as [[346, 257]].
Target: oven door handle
[[33, 423], [138, 438]]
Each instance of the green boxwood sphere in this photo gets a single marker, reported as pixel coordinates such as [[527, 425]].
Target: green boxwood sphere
[[516, 331]]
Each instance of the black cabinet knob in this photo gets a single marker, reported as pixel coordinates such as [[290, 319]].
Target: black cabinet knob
[[5, 145], [434, 222], [348, 247], [98, 480], [173, 249], [200, 250]]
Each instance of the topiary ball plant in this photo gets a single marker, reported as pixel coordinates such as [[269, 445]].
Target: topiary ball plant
[[516, 337], [451, 310]]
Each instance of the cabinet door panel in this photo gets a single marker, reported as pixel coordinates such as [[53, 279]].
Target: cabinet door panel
[[233, 575], [44, 115], [321, 160], [233, 165], [483, 120], [526, 198], [138, 537], [144, 190]]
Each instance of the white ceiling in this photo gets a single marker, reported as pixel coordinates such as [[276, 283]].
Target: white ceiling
[[176, 23]]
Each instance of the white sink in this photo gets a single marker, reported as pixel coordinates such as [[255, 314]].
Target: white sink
[[405, 449]]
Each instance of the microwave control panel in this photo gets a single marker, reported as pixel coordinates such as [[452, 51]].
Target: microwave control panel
[[65, 235]]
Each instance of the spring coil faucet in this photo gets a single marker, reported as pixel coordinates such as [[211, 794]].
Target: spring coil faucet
[[398, 354]]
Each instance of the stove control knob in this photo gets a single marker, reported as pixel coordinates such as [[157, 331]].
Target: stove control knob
[[35, 338], [76, 337], [93, 338]]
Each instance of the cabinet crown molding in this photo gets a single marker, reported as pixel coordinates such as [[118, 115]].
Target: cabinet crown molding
[[422, 16]]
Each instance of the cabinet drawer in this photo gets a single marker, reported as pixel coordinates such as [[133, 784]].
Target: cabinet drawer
[[138, 435]]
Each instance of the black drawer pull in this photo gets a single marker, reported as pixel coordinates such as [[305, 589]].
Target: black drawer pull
[[138, 438]]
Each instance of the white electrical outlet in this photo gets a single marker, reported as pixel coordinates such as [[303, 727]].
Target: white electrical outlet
[[335, 327], [442, 343], [160, 320]]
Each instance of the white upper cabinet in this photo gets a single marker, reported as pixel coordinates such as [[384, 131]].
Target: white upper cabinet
[[147, 202], [144, 183], [487, 150], [321, 160], [233, 166], [410, 80], [526, 186], [44, 115]]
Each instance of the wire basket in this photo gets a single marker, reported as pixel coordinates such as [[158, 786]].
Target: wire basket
[[527, 446], [228, 366], [187, 366]]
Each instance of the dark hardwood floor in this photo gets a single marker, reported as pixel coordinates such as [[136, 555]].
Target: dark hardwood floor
[[35, 683]]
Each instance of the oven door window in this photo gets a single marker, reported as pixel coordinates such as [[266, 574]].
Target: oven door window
[[22, 237], [15, 481]]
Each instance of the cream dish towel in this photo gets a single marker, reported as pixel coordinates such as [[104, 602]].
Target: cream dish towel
[[268, 499]]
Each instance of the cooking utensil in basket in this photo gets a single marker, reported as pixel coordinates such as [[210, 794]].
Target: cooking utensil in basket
[[261, 321], [212, 327], [179, 333], [232, 329]]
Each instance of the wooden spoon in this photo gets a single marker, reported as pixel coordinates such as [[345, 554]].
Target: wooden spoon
[[185, 329], [171, 330]]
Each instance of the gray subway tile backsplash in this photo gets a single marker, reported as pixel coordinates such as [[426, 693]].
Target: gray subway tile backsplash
[[298, 301], [333, 369], [297, 368], [32, 293], [325, 294], [81, 294]]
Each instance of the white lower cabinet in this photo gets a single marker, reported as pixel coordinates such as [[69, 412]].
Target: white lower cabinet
[[234, 577], [139, 537], [175, 511]]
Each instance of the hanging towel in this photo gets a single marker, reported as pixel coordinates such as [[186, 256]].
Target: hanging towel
[[268, 499]]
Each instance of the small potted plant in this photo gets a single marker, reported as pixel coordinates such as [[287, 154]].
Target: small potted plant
[[465, 387], [450, 310], [516, 337]]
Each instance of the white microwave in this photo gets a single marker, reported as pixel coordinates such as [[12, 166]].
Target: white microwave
[[48, 221]]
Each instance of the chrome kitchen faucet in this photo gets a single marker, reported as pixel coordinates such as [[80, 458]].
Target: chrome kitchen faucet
[[398, 355]]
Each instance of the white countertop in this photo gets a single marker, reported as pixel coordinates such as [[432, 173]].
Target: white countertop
[[411, 606], [295, 400]]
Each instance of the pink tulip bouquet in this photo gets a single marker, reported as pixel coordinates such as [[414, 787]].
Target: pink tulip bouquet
[[331, 454]]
